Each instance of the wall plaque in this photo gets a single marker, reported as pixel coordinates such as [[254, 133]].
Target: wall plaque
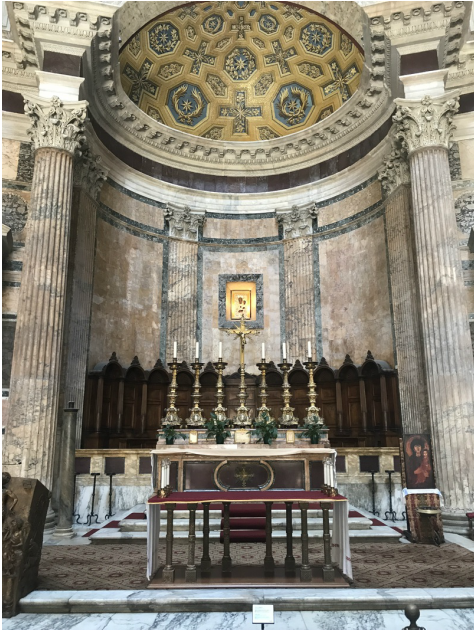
[[242, 436]]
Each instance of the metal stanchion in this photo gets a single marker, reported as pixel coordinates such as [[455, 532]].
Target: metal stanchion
[[92, 514], [110, 514], [374, 512], [391, 512]]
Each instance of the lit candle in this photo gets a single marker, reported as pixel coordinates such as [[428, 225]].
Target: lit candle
[[175, 350], [197, 351], [283, 346], [309, 350], [220, 350], [263, 351]]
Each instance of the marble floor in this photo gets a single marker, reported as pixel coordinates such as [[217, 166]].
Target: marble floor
[[431, 619]]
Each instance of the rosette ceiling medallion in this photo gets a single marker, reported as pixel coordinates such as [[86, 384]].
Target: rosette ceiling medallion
[[240, 71]]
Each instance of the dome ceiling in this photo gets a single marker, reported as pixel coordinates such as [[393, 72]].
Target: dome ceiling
[[240, 71]]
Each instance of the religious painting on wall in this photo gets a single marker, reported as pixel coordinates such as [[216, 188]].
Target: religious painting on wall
[[418, 461], [241, 304]]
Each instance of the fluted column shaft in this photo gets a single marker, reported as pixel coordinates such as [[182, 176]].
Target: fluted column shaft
[[446, 338], [406, 313], [30, 437]]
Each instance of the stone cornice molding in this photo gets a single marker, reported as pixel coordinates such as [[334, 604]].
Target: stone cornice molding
[[183, 223], [357, 119], [426, 123], [297, 222], [89, 174], [395, 171], [56, 124]]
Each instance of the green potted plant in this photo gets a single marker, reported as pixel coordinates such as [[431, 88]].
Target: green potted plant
[[312, 429], [266, 429], [171, 434], [217, 428]]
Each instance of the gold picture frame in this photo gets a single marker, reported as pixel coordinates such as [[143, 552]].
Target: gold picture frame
[[240, 304]]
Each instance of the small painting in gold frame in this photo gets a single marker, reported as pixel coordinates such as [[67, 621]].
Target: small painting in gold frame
[[290, 436], [193, 437], [240, 304]]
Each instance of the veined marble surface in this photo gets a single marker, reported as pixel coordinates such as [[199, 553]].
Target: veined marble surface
[[434, 619]]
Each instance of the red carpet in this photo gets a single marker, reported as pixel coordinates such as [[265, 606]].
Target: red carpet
[[136, 516]]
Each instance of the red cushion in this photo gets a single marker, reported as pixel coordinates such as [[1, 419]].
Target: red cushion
[[470, 515]]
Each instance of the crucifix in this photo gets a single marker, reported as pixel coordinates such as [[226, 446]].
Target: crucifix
[[242, 418]]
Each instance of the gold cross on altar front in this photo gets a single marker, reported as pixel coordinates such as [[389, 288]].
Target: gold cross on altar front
[[242, 332], [243, 475]]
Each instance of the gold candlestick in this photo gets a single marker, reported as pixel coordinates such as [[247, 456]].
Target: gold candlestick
[[242, 418], [196, 418], [312, 412], [172, 417], [287, 419], [263, 410], [219, 410]]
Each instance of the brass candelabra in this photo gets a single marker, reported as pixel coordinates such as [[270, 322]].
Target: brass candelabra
[[196, 418], [312, 412], [172, 417], [263, 409], [287, 419], [242, 418], [219, 410]]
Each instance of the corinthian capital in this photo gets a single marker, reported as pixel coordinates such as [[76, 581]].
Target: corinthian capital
[[394, 171], [56, 124], [426, 123], [89, 174], [298, 222], [183, 223]]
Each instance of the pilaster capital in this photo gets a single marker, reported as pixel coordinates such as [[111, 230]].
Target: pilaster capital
[[183, 223], [297, 222], [394, 172], [54, 123], [89, 173], [426, 123]]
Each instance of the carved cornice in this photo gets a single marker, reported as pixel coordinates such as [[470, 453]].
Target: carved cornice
[[298, 222], [56, 124], [183, 223], [426, 123], [395, 171], [355, 120], [89, 174]]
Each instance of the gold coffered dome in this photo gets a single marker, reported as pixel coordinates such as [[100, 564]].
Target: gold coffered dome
[[240, 71]]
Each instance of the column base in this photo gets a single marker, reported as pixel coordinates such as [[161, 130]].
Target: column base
[[328, 574], [457, 524], [63, 533], [168, 575], [306, 574], [191, 575]]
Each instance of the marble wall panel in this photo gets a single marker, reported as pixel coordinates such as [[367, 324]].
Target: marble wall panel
[[126, 310], [466, 152], [182, 300], [218, 261], [240, 228], [299, 291], [10, 155], [355, 302], [350, 205], [131, 207]]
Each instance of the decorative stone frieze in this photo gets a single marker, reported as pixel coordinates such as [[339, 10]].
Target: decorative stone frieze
[[426, 123], [298, 222], [89, 173], [183, 223], [56, 124], [395, 171]]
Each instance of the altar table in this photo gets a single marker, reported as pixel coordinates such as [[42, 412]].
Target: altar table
[[340, 531]]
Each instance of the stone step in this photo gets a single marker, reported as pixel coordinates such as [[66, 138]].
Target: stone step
[[377, 534], [278, 523]]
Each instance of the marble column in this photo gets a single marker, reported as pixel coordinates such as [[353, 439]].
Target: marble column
[[424, 128], [395, 179], [66, 474], [57, 132]]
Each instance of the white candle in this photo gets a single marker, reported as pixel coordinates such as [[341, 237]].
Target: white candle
[[175, 350], [283, 346], [220, 350], [197, 351], [309, 349], [263, 351]]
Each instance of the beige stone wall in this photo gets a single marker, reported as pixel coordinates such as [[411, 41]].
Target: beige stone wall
[[238, 229], [132, 208], [10, 156], [350, 205], [126, 305], [355, 305]]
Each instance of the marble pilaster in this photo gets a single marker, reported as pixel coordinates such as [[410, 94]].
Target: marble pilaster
[[182, 299], [57, 131], [395, 180], [299, 302], [424, 127], [66, 474]]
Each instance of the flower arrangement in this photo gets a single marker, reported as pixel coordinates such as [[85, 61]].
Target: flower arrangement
[[266, 429], [217, 428]]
